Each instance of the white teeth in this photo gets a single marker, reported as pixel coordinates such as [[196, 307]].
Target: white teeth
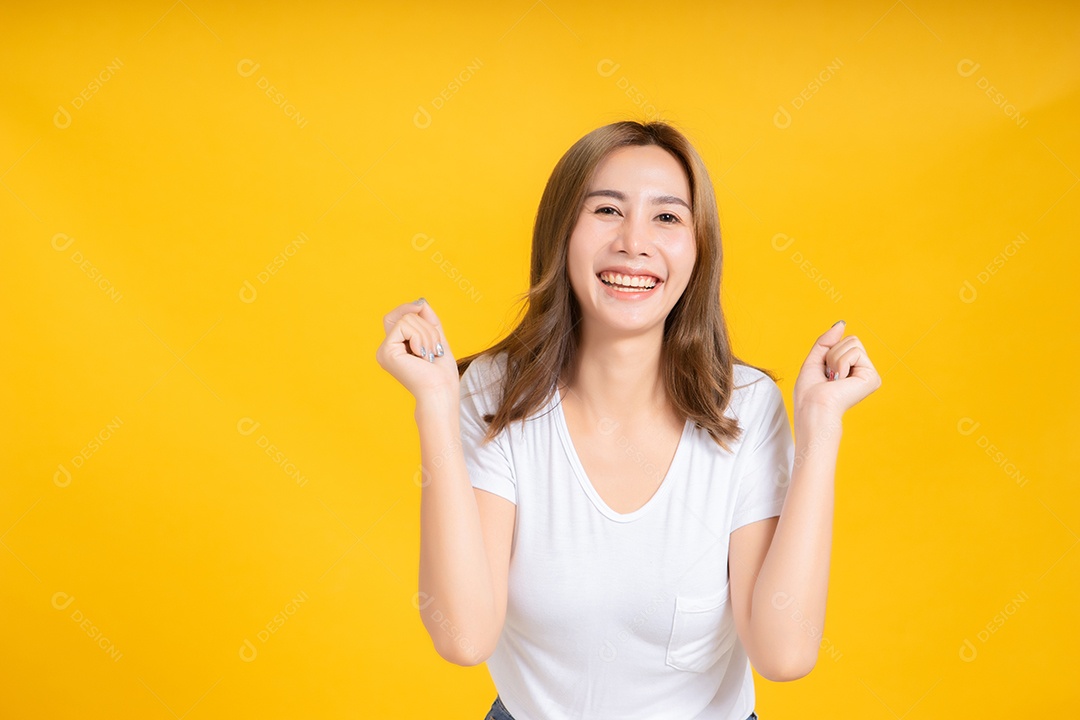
[[636, 281]]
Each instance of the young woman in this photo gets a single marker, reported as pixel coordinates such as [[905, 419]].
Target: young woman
[[615, 516]]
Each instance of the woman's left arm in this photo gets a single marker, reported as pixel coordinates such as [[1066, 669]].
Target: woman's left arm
[[779, 567]]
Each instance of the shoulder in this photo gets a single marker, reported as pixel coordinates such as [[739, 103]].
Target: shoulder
[[485, 369], [756, 402], [483, 380], [752, 391], [744, 374]]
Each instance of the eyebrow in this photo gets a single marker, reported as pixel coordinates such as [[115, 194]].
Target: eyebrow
[[657, 199]]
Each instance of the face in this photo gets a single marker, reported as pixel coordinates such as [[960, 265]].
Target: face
[[632, 250]]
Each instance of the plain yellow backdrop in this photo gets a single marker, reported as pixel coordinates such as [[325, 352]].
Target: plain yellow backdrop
[[209, 502]]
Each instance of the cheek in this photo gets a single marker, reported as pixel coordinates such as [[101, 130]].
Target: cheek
[[579, 265], [683, 254], [581, 251]]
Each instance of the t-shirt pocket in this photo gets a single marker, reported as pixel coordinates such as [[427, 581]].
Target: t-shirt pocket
[[702, 631]]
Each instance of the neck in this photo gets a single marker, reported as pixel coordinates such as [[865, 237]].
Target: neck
[[619, 375]]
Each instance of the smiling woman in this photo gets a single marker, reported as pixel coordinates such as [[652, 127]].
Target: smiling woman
[[638, 201], [613, 508], [633, 199]]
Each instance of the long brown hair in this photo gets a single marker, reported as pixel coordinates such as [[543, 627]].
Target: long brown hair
[[696, 359]]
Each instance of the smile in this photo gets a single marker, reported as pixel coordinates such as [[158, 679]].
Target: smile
[[628, 287]]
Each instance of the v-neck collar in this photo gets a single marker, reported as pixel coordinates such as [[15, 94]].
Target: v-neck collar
[[586, 484]]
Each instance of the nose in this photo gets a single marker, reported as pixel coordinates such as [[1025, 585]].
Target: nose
[[634, 235]]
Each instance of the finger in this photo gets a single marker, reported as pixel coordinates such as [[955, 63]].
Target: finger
[[847, 361], [440, 344], [426, 340], [428, 313], [824, 342], [391, 318], [836, 364], [863, 367], [832, 357], [434, 343], [410, 333], [428, 335]]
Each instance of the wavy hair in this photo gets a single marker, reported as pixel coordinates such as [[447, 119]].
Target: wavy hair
[[696, 358]]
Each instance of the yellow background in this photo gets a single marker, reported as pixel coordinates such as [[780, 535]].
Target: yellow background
[[178, 539]]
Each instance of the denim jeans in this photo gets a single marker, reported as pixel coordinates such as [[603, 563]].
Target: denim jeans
[[498, 711]]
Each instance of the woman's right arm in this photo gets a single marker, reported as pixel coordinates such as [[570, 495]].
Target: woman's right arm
[[465, 533], [465, 537]]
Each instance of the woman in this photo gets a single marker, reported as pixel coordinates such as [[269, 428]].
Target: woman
[[615, 516]]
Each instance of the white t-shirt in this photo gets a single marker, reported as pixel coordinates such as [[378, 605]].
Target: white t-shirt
[[625, 615]]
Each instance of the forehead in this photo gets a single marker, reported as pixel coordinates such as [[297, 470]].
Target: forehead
[[641, 166]]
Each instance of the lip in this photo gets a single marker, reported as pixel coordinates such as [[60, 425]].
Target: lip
[[629, 295], [627, 270]]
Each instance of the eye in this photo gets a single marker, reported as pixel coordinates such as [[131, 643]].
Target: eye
[[668, 218], [603, 210]]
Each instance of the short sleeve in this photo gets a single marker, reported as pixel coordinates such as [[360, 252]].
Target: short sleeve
[[490, 465], [766, 457]]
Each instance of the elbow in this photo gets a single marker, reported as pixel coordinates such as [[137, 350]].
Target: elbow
[[463, 654], [787, 674], [467, 660], [787, 669], [459, 644], [458, 647]]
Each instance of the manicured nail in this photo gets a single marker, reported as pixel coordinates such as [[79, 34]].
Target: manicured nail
[[438, 349], [421, 301], [423, 351], [431, 357], [837, 323]]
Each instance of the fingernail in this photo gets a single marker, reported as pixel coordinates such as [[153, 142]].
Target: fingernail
[[423, 351], [837, 323], [421, 301], [431, 357], [438, 349]]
